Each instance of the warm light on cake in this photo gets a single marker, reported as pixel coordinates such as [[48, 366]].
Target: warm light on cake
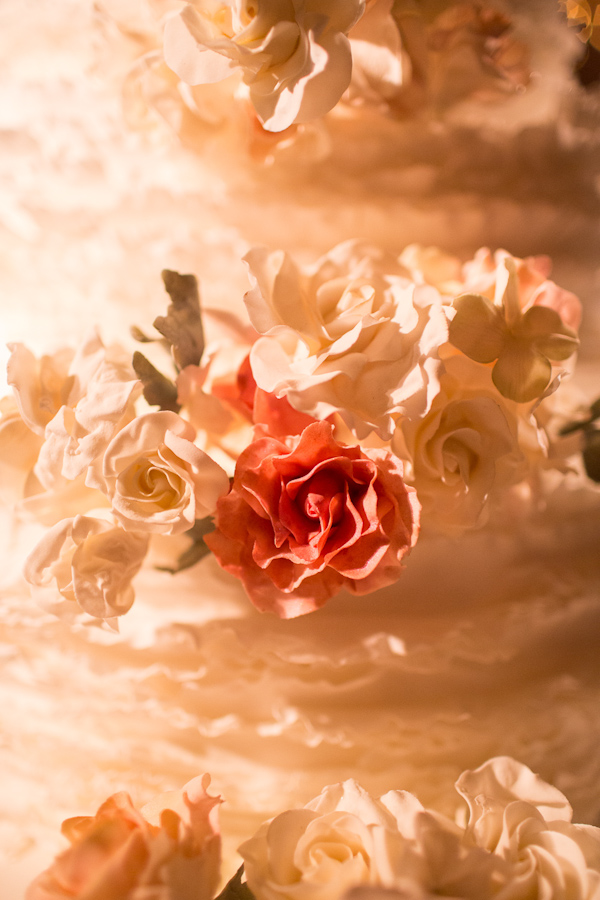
[[317, 515]]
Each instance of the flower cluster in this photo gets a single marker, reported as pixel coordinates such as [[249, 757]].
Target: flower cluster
[[372, 394], [445, 364], [518, 841], [269, 74], [103, 474]]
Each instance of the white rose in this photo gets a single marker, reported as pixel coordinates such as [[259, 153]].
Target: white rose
[[464, 448], [293, 54], [352, 335], [515, 815], [77, 404], [91, 562], [340, 839], [156, 478], [40, 386]]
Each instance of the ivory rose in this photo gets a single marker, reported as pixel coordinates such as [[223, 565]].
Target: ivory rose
[[91, 562], [76, 402], [462, 449], [352, 335], [341, 839], [156, 478], [293, 54], [518, 817], [168, 850], [300, 524]]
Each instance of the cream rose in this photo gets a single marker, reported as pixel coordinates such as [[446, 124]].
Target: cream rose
[[76, 402], [293, 54], [91, 562], [352, 335], [464, 448], [340, 839], [156, 478], [526, 822]]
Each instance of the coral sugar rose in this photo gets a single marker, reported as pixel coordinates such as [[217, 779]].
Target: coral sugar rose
[[300, 524]]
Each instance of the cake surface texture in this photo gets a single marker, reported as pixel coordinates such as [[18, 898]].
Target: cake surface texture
[[336, 226]]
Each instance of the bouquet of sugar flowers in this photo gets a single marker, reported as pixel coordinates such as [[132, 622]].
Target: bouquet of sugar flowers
[[369, 395], [516, 839]]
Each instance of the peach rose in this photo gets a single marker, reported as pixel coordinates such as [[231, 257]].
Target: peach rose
[[156, 478], [300, 524], [170, 850]]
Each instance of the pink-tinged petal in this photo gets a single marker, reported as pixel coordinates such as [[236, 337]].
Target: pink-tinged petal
[[278, 415], [566, 304], [302, 523], [521, 373]]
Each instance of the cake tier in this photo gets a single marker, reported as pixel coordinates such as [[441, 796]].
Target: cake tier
[[486, 646]]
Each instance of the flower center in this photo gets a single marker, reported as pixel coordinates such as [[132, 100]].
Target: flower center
[[322, 498], [150, 482]]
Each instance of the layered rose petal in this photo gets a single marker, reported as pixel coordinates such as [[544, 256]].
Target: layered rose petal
[[156, 478], [341, 839], [300, 524], [464, 449], [527, 823], [76, 402], [91, 562], [294, 56], [518, 843], [354, 335]]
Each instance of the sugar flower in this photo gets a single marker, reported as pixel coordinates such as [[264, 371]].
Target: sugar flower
[[352, 335], [465, 447], [527, 823], [19, 449], [521, 345], [474, 51], [341, 839], [77, 403], [91, 562], [300, 524], [168, 850], [156, 478], [293, 54]]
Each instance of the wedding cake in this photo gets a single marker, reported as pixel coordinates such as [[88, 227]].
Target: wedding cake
[[312, 519]]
